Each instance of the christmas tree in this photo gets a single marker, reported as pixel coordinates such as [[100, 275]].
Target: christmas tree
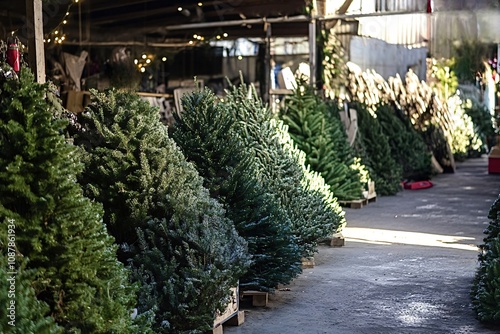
[[485, 291], [373, 147], [71, 259], [313, 216], [22, 312], [183, 250], [311, 129], [207, 134], [407, 146]]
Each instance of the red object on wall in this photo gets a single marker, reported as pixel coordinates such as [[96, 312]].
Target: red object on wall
[[430, 6], [493, 165], [13, 56]]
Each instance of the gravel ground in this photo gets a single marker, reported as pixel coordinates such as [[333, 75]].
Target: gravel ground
[[407, 266]]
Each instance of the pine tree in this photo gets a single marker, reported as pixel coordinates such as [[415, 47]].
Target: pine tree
[[183, 250], [70, 257], [207, 134], [407, 146], [311, 129], [485, 291], [375, 152], [314, 217]]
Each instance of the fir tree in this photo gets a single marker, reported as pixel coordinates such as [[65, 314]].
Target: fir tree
[[375, 152], [343, 149], [208, 136], [183, 250], [407, 146], [485, 291], [71, 259], [314, 217], [311, 129], [21, 311]]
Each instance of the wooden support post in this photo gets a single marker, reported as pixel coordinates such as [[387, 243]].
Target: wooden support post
[[312, 52], [267, 64], [36, 53]]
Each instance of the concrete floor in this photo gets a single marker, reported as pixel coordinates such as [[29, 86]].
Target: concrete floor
[[407, 266]]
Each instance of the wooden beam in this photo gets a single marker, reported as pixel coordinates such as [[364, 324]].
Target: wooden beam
[[36, 53]]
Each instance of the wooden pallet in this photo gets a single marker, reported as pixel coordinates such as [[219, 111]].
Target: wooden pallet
[[235, 320], [259, 298], [308, 262], [354, 204]]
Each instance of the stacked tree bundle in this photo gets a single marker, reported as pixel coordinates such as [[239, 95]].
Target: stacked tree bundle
[[428, 114]]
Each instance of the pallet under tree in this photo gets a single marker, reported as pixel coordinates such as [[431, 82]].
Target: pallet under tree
[[235, 319]]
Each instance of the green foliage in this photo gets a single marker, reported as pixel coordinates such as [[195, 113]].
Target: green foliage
[[313, 132], [446, 81], [208, 135], [21, 311], [407, 146], [313, 216], [71, 259], [124, 75], [469, 60], [183, 251], [333, 62], [485, 291], [375, 152], [464, 140], [483, 124], [345, 152]]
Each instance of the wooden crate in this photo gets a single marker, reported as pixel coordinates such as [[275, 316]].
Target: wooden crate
[[259, 298], [231, 310]]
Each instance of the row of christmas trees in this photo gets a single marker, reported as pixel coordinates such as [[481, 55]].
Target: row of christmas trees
[[116, 226], [112, 213]]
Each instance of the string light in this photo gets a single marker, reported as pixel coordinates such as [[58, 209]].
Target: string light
[[58, 30]]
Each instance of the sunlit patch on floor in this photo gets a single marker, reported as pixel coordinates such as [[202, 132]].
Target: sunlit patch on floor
[[416, 313], [388, 237]]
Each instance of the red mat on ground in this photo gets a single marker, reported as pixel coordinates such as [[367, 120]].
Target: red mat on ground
[[418, 185]]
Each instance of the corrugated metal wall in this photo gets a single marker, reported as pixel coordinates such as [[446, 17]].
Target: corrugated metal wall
[[444, 28], [405, 29]]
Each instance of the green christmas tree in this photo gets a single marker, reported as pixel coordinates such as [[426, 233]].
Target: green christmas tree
[[373, 147], [407, 146], [314, 217], [71, 260], [311, 129], [208, 136], [343, 149], [21, 311], [183, 250], [485, 291]]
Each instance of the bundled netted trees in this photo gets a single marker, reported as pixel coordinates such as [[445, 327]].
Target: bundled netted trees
[[68, 258], [424, 109], [486, 288], [314, 215], [183, 250], [311, 129], [207, 133]]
